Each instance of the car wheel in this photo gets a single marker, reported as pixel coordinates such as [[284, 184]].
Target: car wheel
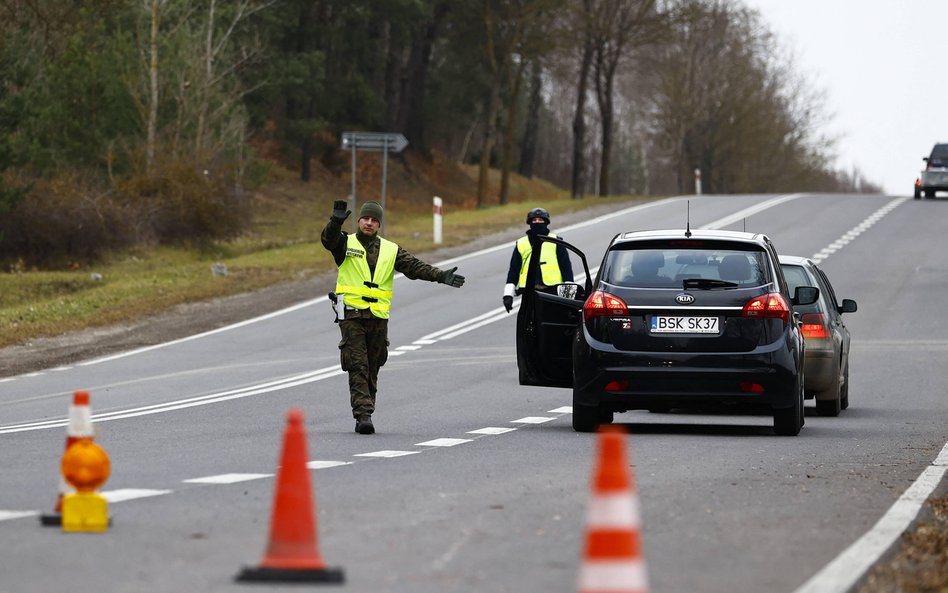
[[586, 418], [789, 421], [844, 389], [829, 402], [929, 193]]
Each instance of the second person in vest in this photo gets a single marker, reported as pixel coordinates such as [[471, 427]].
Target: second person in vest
[[555, 267], [364, 287]]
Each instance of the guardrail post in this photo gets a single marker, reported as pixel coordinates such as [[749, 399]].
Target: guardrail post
[[437, 210]]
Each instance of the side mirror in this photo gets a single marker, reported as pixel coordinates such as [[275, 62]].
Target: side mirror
[[925, 158], [848, 306], [805, 295], [571, 290]]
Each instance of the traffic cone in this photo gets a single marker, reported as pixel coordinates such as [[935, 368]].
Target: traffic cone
[[78, 428], [292, 554], [613, 557]]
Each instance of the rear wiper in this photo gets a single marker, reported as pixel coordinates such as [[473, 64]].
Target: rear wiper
[[707, 283]]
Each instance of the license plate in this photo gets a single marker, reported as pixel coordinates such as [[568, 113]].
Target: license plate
[[662, 324]]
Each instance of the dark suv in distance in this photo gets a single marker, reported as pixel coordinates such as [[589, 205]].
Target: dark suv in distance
[[935, 175], [674, 319]]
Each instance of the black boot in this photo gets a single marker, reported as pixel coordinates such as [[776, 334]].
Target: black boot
[[364, 425]]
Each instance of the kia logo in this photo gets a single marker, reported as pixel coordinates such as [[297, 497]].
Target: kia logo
[[684, 299]]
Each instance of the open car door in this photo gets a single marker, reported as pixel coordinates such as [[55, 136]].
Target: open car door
[[547, 322]]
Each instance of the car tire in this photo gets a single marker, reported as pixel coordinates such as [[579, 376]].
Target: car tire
[[844, 389], [585, 418], [829, 402], [929, 193], [789, 421]]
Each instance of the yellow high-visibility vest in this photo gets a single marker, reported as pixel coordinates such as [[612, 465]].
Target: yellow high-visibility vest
[[359, 287], [549, 266]]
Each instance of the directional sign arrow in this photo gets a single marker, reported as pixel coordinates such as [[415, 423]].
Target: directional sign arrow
[[374, 141]]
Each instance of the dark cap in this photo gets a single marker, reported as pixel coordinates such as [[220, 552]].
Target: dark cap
[[373, 209], [538, 213]]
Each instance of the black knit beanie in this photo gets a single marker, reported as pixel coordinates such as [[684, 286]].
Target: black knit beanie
[[373, 209]]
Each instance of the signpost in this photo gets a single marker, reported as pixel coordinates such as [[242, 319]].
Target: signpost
[[372, 142]]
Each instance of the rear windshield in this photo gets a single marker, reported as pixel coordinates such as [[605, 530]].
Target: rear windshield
[[940, 152], [668, 267]]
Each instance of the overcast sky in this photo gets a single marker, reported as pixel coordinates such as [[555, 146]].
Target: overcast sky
[[882, 65]]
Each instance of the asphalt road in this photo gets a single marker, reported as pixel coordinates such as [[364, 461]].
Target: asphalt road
[[194, 430]]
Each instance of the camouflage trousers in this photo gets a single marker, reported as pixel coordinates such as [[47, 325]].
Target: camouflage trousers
[[363, 350]]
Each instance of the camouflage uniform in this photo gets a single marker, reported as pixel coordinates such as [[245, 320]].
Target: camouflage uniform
[[364, 344]]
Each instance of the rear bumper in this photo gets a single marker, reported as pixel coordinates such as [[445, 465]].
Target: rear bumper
[[819, 370], [934, 179], [684, 379]]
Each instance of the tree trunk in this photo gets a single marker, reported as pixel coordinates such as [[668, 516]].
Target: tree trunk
[[604, 88], [413, 97], [510, 133], [579, 122], [151, 139], [528, 148], [490, 128]]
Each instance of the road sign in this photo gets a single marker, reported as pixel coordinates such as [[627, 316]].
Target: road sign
[[374, 141]]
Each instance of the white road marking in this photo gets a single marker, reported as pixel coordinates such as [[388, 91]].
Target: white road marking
[[387, 454], [843, 572], [443, 442], [124, 494], [533, 420], [856, 231], [562, 410], [7, 515], [409, 347], [316, 464], [227, 478], [741, 214], [491, 430]]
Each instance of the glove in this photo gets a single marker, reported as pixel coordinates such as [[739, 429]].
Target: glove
[[508, 303], [339, 211], [452, 279]]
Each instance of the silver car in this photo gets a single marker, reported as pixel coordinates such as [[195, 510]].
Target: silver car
[[826, 338], [935, 175]]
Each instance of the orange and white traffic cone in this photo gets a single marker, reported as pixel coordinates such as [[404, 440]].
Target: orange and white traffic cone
[[292, 554], [613, 557], [78, 428]]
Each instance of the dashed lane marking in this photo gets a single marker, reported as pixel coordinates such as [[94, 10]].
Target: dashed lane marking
[[7, 515], [443, 442], [316, 464], [124, 494], [226, 478], [533, 420], [491, 430], [387, 454]]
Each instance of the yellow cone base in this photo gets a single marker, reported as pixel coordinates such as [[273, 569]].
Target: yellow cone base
[[86, 512], [291, 575]]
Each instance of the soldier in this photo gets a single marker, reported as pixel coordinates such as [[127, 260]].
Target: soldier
[[367, 265], [555, 267]]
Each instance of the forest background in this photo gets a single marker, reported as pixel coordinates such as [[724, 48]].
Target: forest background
[[142, 139]]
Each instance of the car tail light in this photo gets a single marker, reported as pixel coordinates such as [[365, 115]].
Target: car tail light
[[768, 306], [748, 387], [813, 325], [617, 386], [603, 304]]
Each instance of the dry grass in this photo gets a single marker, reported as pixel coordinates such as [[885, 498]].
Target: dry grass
[[283, 246]]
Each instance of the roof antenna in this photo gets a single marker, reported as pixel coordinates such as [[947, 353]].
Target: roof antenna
[[688, 220]]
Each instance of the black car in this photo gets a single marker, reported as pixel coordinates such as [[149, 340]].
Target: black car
[[674, 319], [826, 362]]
